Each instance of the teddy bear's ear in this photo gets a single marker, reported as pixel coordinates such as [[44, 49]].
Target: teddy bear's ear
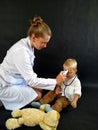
[[16, 113], [51, 118]]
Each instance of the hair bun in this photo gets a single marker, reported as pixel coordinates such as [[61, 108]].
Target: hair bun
[[36, 21]]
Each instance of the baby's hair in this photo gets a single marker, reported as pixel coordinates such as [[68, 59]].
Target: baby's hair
[[38, 27], [71, 63]]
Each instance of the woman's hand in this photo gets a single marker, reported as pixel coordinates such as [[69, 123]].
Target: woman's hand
[[60, 77]]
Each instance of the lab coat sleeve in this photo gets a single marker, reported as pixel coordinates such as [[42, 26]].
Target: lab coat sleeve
[[23, 64]]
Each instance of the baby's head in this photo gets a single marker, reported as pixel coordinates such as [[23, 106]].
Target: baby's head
[[70, 65]]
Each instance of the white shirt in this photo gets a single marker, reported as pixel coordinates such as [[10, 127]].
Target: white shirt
[[71, 87], [17, 67]]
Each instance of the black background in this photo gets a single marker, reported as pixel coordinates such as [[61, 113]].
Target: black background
[[74, 24]]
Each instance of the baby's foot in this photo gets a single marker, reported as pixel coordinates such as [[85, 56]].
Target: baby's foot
[[46, 107], [36, 104]]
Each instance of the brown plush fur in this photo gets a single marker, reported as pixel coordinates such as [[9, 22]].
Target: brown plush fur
[[60, 103], [48, 98]]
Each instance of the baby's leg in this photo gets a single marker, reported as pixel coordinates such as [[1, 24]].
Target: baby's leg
[[48, 97], [60, 103]]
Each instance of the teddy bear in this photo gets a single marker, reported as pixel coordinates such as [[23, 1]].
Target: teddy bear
[[45, 117]]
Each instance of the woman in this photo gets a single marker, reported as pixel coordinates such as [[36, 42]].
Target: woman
[[19, 84]]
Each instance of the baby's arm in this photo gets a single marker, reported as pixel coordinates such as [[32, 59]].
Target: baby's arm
[[74, 101], [57, 89]]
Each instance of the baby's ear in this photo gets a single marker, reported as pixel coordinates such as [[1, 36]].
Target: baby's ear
[[16, 113], [76, 70]]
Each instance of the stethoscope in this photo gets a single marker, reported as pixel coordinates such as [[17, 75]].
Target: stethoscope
[[69, 84]]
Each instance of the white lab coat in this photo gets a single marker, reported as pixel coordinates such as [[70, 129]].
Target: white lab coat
[[17, 76]]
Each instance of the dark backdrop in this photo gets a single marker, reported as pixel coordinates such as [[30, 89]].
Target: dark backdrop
[[74, 24]]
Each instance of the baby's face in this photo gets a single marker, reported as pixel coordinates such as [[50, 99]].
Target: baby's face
[[71, 72]]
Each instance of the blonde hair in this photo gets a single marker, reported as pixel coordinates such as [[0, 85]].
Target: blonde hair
[[71, 63], [38, 27]]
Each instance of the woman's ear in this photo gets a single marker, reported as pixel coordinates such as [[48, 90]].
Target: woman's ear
[[33, 37]]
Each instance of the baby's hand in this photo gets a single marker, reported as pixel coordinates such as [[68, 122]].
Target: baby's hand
[[57, 90], [74, 104]]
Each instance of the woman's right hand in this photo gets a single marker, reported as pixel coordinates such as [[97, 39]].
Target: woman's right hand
[[60, 77]]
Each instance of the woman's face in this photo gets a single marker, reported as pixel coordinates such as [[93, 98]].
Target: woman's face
[[39, 42]]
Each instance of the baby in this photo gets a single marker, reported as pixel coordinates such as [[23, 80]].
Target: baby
[[66, 93]]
